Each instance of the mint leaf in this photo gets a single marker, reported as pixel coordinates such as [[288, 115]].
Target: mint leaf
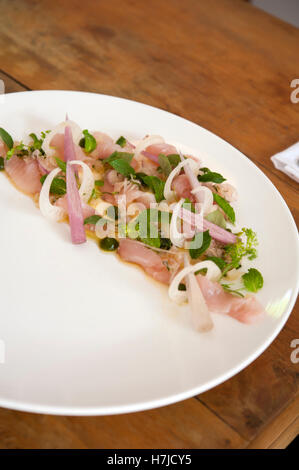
[[253, 280], [92, 220], [217, 218], [206, 240], [174, 159], [88, 142], [219, 261], [58, 185], [225, 206], [156, 185], [211, 176], [61, 164], [7, 139], [164, 164], [119, 156], [122, 167], [121, 141]]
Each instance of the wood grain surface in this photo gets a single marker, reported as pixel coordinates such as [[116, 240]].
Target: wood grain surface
[[226, 66]]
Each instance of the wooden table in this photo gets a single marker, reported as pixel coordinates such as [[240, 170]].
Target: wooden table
[[226, 66]]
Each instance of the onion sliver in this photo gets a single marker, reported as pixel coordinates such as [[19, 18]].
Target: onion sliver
[[213, 274], [168, 193], [73, 197], [59, 129], [47, 209], [146, 142], [201, 225], [87, 183], [177, 238], [201, 317]]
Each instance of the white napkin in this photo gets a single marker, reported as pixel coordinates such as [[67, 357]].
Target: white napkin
[[288, 161]]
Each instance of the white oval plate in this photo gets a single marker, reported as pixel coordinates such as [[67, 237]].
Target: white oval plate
[[85, 334]]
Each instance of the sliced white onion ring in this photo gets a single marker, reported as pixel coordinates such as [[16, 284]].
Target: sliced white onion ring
[[50, 211], [176, 238], [146, 142], [87, 182], [59, 129], [168, 193], [213, 274], [205, 197]]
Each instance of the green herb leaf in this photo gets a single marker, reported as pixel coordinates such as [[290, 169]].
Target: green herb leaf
[[88, 142], [61, 164], [164, 164], [121, 141], [217, 218], [225, 206], [7, 139], [1, 163], [156, 185], [206, 240], [219, 261], [99, 183], [253, 280], [211, 176], [119, 156], [58, 185], [37, 143], [154, 242], [122, 167], [92, 220], [174, 159], [240, 249]]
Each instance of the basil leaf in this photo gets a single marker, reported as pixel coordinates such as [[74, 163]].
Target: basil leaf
[[121, 141], [1, 163], [156, 185], [61, 164], [58, 185], [99, 183], [122, 167], [7, 139], [253, 280], [217, 218], [164, 164], [219, 261], [211, 176], [206, 240], [225, 206], [88, 142], [92, 220], [119, 155]]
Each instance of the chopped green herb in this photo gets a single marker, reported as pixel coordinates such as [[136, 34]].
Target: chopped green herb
[[211, 176], [156, 185], [200, 247], [217, 218], [219, 261], [88, 142], [61, 164], [119, 155], [99, 183], [164, 164], [122, 167], [58, 185], [109, 244], [92, 220], [121, 141], [7, 139], [1, 163], [253, 280], [240, 249], [37, 143], [225, 206]]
